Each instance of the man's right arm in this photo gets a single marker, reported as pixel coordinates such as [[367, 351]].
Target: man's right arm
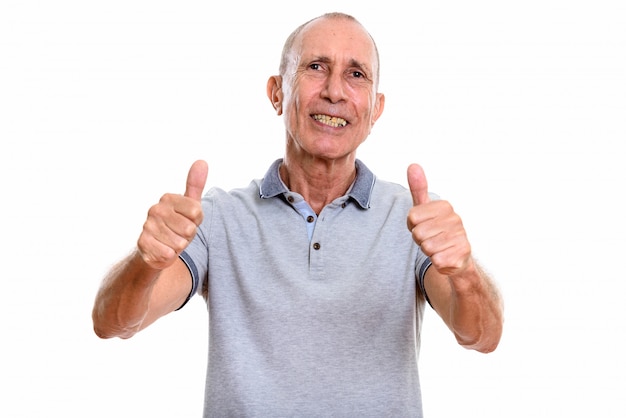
[[152, 281], [133, 295]]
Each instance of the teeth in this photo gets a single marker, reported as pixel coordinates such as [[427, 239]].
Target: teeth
[[330, 120]]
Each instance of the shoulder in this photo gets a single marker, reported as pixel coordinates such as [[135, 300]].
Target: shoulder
[[390, 191]]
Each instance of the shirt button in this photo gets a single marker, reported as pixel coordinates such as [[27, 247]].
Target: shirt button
[[316, 246], [290, 199], [310, 219], [343, 205]]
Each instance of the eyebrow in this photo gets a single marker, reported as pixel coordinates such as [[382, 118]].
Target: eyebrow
[[353, 63]]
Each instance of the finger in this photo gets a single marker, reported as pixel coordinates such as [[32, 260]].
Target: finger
[[196, 179], [418, 184]]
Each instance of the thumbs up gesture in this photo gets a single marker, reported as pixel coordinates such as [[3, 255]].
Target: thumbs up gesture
[[436, 228], [171, 224]]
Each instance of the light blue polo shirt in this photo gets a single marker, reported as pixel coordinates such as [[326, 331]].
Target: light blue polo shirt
[[310, 315]]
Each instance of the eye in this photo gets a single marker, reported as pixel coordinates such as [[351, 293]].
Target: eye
[[315, 66], [357, 74]]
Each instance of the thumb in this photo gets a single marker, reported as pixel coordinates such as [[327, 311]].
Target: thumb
[[417, 184], [196, 179]]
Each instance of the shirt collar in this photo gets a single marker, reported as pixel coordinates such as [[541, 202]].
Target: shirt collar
[[360, 191]]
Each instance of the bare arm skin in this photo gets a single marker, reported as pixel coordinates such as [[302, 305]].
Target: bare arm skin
[[133, 295], [469, 304], [152, 281], [458, 288]]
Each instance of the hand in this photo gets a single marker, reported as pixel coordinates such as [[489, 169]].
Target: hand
[[172, 223], [436, 228]]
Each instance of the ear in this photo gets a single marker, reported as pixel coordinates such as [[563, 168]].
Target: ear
[[275, 93], [379, 105]]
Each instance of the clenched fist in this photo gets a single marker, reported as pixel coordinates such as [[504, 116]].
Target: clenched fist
[[436, 228], [172, 223]]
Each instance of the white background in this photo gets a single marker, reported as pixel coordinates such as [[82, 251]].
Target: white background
[[516, 110]]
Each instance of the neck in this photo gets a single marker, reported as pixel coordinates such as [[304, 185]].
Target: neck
[[319, 181]]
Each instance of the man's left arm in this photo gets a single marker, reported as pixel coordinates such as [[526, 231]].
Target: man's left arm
[[470, 305], [459, 290]]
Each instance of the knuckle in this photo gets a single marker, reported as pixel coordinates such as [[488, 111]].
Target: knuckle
[[427, 248], [189, 232]]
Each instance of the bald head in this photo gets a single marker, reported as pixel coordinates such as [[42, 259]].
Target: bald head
[[288, 57]]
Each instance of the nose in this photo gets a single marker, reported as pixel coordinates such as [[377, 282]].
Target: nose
[[334, 88]]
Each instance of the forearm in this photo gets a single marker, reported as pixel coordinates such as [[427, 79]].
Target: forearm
[[470, 305], [476, 311], [123, 300]]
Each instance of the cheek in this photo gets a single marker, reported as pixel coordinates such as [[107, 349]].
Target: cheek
[[296, 108], [291, 117], [371, 111]]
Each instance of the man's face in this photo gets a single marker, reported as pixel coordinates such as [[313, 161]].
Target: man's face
[[330, 101]]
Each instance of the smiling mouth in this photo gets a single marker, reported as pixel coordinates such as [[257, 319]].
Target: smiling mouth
[[333, 121]]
